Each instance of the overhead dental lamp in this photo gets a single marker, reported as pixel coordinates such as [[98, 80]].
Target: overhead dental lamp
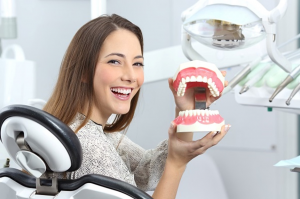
[[232, 25]]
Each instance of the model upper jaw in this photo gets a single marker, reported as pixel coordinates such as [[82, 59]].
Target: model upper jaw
[[198, 74]]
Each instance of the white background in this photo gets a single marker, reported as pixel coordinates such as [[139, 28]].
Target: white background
[[245, 157]]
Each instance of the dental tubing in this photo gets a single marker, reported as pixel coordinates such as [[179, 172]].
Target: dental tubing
[[255, 79], [242, 74], [287, 80], [251, 65], [297, 88]]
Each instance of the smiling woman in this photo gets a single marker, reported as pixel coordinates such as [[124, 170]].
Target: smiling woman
[[101, 74]]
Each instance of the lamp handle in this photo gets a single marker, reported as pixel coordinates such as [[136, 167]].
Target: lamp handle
[[278, 11], [187, 47]]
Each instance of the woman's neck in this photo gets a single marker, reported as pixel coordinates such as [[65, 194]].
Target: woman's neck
[[97, 116]]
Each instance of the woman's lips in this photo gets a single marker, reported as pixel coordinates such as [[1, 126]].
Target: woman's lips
[[121, 96]]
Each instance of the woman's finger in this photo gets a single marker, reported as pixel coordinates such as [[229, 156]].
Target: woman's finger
[[208, 138], [172, 130], [225, 83], [170, 80], [221, 134], [224, 73]]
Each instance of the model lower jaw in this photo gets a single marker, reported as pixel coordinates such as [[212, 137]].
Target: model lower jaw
[[199, 120]]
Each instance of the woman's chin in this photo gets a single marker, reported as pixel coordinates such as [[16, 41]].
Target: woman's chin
[[122, 111]]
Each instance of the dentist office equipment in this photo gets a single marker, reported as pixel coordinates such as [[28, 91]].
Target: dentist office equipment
[[235, 25], [256, 78], [261, 69], [247, 69]]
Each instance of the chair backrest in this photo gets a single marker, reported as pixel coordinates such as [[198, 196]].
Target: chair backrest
[[41, 143]]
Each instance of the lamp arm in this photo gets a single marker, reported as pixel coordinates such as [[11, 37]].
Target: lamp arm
[[276, 56], [278, 11], [188, 49]]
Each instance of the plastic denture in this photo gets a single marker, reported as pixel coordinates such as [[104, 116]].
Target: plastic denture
[[198, 74]]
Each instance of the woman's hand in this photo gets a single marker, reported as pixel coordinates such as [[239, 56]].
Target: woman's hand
[[181, 152], [187, 102]]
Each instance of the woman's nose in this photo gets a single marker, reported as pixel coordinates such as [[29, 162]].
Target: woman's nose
[[129, 74]]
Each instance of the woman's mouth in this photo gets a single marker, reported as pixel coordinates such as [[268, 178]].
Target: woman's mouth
[[121, 93]]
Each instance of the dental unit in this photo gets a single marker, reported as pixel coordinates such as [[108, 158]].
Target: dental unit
[[200, 76], [261, 69], [244, 72], [255, 79], [294, 92], [286, 81], [247, 69], [218, 24]]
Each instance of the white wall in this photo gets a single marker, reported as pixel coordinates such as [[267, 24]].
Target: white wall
[[46, 28]]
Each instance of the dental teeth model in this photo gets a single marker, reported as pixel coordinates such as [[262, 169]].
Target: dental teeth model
[[198, 74]]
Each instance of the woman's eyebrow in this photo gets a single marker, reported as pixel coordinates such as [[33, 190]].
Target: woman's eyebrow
[[139, 56], [123, 56], [118, 54]]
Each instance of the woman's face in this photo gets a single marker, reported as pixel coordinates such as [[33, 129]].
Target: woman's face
[[119, 73]]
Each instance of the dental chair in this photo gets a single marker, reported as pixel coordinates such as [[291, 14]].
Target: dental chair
[[41, 145]]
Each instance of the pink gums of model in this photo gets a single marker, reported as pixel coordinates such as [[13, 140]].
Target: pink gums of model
[[198, 74]]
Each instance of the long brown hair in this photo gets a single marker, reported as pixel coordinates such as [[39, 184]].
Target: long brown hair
[[71, 94]]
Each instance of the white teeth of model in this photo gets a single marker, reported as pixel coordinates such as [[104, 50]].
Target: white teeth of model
[[206, 112], [184, 85], [209, 81], [183, 80], [204, 79], [193, 79], [198, 112], [202, 112], [186, 113], [181, 113], [194, 112], [187, 79], [199, 79], [190, 112]]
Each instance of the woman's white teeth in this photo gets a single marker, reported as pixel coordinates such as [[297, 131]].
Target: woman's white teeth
[[211, 85], [198, 112], [121, 90]]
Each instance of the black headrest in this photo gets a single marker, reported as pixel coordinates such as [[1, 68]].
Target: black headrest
[[60, 130]]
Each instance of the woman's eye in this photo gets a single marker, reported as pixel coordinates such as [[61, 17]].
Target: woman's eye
[[139, 64], [113, 62]]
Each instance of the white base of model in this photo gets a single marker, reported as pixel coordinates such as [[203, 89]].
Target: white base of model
[[197, 127]]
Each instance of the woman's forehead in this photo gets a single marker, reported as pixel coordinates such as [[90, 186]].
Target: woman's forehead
[[121, 41]]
